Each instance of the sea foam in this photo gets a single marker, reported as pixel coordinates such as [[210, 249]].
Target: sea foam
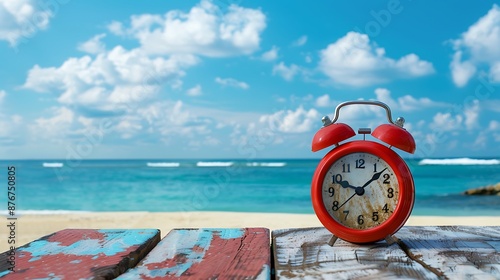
[[266, 164], [53, 164], [214, 163], [163, 164], [459, 161]]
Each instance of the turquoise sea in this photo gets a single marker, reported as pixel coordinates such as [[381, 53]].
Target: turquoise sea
[[46, 186]]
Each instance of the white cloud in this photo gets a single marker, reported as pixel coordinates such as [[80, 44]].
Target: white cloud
[[478, 46], [56, 127], [115, 84], [323, 101], [471, 115], [405, 103], [286, 72], [11, 129], [116, 28], [308, 58], [22, 19], [467, 120], [111, 81], [230, 82], [494, 125], [173, 119], [300, 41], [3, 93], [157, 121], [289, 121], [494, 128], [207, 141], [204, 30], [481, 140], [122, 85], [271, 54], [461, 71], [128, 126], [94, 45], [495, 72], [353, 60], [194, 91], [446, 122]]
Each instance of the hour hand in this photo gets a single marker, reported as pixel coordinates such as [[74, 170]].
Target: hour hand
[[345, 184]]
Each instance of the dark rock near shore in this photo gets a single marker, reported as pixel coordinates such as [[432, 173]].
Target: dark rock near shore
[[488, 190]]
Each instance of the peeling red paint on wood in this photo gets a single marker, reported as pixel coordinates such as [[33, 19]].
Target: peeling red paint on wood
[[207, 254], [69, 237], [419, 252], [80, 254]]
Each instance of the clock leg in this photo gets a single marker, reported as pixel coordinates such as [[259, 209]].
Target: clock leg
[[332, 240], [390, 239]]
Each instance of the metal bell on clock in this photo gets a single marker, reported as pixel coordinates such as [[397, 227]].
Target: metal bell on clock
[[331, 134], [395, 135]]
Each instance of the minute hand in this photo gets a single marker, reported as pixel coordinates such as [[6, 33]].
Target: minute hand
[[375, 177]]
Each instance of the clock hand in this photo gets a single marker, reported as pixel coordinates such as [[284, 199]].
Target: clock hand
[[361, 190], [347, 200], [346, 185], [375, 177], [357, 191]]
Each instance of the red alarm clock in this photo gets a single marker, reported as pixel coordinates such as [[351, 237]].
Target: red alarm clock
[[362, 191]]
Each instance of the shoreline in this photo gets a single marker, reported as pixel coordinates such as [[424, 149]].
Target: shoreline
[[30, 227]]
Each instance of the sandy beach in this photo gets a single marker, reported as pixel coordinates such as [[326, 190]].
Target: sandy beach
[[31, 227]]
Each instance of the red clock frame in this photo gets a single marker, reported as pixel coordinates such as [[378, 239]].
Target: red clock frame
[[404, 205]]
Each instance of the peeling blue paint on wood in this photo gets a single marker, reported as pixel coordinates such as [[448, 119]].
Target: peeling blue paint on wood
[[420, 252], [81, 254], [208, 254]]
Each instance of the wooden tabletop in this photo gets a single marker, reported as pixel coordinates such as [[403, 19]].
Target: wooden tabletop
[[450, 252], [418, 253]]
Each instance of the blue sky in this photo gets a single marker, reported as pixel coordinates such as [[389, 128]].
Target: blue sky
[[243, 79]]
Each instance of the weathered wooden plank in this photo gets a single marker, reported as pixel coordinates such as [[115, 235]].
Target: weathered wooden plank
[[305, 254], [80, 254], [207, 254], [455, 252]]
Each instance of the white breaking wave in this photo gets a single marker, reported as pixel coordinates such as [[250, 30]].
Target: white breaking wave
[[214, 163], [53, 164], [266, 164], [459, 161], [163, 164]]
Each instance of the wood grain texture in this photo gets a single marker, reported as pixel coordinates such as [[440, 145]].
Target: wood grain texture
[[455, 252], [80, 254], [305, 254], [451, 252], [207, 254]]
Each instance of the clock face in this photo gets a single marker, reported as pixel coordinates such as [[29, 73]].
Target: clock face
[[360, 191]]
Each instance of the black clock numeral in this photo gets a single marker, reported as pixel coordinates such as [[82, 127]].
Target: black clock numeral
[[375, 216], [374, 168], [335, 206], [390, 193], [360, 164], [386, 178], [360, 220], [336, 178], [331, 191], [385, 208], [346, 212], [346, 167]]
